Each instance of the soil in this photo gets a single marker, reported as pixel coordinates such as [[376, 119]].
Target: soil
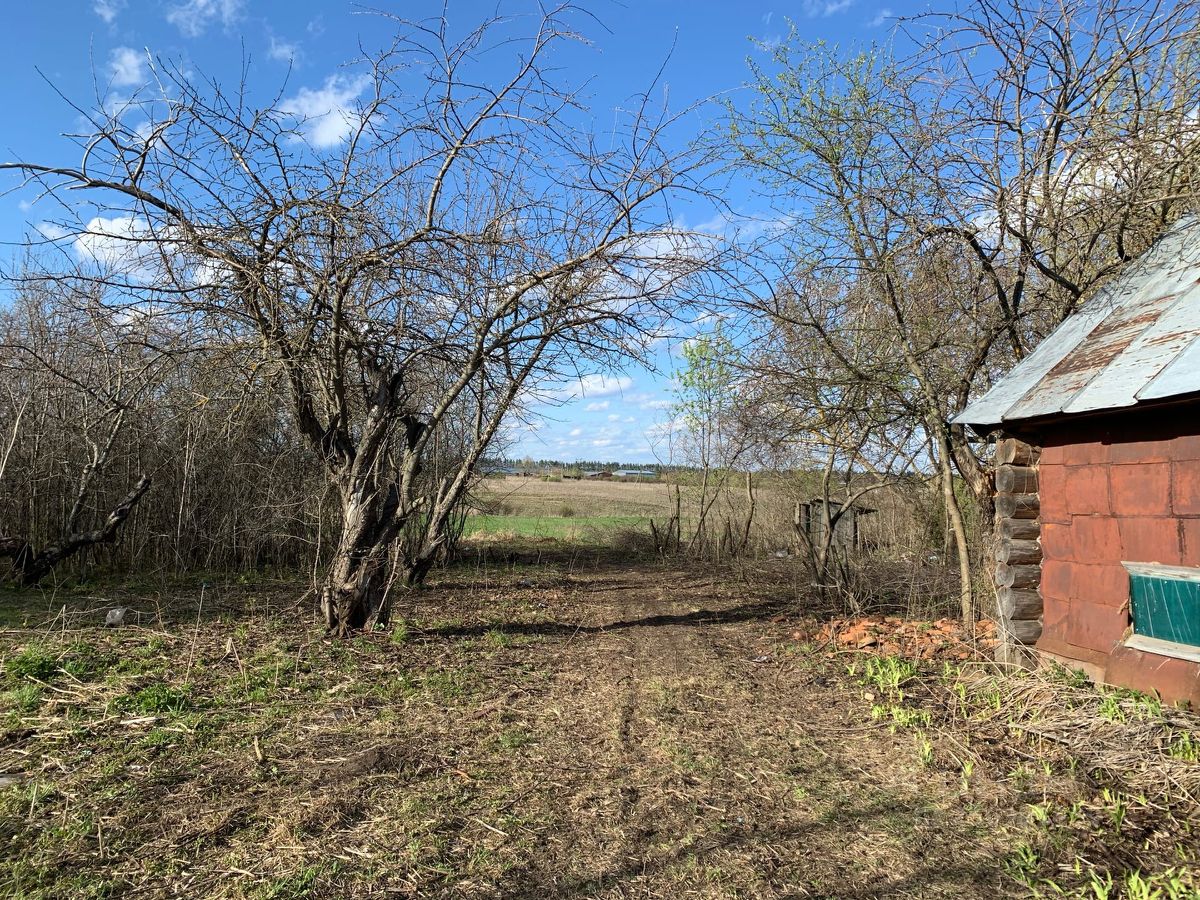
[[604, 730], [693, 758]]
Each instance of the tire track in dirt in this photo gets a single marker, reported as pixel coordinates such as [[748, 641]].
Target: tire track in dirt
[[692, 759], [656, 676]]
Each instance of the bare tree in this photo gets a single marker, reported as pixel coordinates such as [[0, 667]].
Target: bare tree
[[823, 397], [1065, 156], [968, 197], [704, 435], [461, 243], [73, 359]]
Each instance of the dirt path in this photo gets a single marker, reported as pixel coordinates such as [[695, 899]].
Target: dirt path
[[690, 758]]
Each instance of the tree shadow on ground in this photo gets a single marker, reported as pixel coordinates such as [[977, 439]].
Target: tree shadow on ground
[[700, 618], [956, 877]]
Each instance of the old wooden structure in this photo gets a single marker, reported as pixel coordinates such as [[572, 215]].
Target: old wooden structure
[[811, 518], [1097, 481]]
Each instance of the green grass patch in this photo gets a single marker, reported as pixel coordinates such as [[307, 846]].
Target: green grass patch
[[157, 698], [24, 698], [33, 662]]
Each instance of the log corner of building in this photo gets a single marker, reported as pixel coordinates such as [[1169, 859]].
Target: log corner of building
[[1018, 570]]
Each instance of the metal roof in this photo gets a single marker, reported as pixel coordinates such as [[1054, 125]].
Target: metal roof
[[1136, 341]]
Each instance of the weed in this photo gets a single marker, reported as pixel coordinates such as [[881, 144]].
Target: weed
[[901, 716], [889, 673], [156, 698], [24, 697], [159, 737], [960, 693], [1110, 709], [1148, 707], [924, 750], [85, 662], [401, 634], [688, 760], [448, 684], [497, 638], [514, 738], [666, 698], [1075, 678], [1075, 812], [1021, 777], [1185, 747], [1022, 863], [1116, 805], [1101, 888], [33, 662], [301, 883]]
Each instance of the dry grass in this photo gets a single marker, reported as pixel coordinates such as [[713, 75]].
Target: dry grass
[[582, 728], [600, 497]]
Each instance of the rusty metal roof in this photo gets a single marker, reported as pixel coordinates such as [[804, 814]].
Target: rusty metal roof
[[1136, 341]]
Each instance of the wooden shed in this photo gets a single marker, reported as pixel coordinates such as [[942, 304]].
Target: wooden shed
[[1098, 481], [810, 518]]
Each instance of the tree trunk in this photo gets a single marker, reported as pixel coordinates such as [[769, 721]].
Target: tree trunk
[[959, 529], [418, 570], [29, 568], [353, 597], [354, 590]]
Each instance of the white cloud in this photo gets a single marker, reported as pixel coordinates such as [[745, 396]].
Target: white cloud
[[24, 205], [648, 400], [575, 432], [614, 417], [51, 231], [601, 385], [661, 429], [820, 9], [119, 244], [210, 273], [283, 51], [127, 67], [192, 17], [597, 406], [108, 10], [327, 113], [986, 225], [880, 17]]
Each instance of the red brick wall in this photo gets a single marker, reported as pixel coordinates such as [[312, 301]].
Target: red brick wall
[[1122, 488]]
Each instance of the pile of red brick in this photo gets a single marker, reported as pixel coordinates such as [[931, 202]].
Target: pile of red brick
[[893, 636]]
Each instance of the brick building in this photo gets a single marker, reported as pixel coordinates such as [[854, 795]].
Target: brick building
[[1098, 481]]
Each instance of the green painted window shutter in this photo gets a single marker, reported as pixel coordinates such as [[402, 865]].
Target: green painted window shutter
[[1165, 601]]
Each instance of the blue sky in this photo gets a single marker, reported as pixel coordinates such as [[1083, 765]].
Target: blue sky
[[298, 47]]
